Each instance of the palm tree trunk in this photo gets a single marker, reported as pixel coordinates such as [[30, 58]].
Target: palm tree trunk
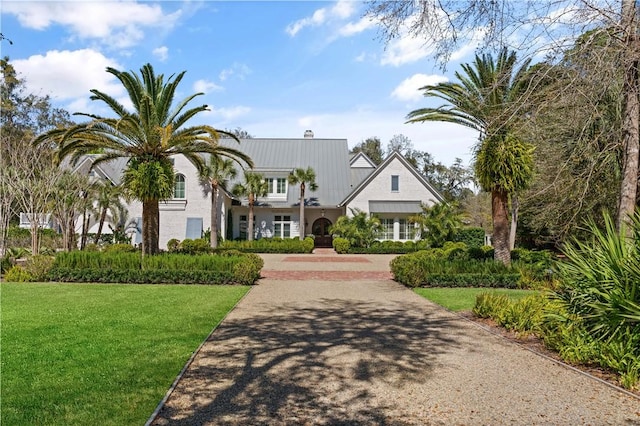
[[500, 215], [250, 227], [631, 118], [103, 217], [514, 221], [150, 227], [302, 226], [214, 216], [85, 229]]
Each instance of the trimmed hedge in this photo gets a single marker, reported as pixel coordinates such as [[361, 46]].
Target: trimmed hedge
[[442, 268], [119, 267], [139, 276], [472, 237], [269, 245]]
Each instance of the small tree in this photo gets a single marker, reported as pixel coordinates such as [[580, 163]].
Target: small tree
[[437, 224], [303, 177], [214, 175], [361, 230], [254, 186]]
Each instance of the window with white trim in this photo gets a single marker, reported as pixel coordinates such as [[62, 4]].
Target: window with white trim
[[277, 187], [386, 226], [282, 226], [405, 230], [395, 183], [179, 188]]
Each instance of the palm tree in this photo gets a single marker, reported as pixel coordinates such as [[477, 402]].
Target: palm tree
[[437, 224], [215, 173], [254, 186], [154, 131], [108, 197], [303, 177], [488, 99]]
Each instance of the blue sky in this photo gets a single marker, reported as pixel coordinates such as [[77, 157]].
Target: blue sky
[[272, 68]]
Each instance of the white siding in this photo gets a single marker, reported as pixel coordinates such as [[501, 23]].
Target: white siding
[[410, 188]]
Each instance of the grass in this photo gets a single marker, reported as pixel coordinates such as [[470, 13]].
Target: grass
[[78, 354], [463, 299]]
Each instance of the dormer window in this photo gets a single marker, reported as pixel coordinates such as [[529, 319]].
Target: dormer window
[[277, 187]]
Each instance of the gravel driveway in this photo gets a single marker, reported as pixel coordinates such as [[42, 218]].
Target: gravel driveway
[[352, 351]]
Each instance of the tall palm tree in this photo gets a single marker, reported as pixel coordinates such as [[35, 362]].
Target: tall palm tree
[[214, 175], [488, 98], [254, 186], [303, 178], [155, 130]]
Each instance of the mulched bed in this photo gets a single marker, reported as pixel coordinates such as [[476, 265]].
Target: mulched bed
[[535, 344]]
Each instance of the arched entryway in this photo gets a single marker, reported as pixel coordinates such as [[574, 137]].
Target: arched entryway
[[320, 230]]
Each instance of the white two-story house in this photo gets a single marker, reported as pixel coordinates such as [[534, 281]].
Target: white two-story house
[[392, 190]]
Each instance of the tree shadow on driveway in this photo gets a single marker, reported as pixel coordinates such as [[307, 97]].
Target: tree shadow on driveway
[[338, 362]]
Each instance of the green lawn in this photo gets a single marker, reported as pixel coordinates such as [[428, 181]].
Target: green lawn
[[80, 354], [463, 299]]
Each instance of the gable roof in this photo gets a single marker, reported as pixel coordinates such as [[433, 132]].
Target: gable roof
[[329, 158], [360, 159], [380, 168]]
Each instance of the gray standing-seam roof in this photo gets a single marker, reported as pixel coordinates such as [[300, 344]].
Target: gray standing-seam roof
[[395, 207], [329, 158]]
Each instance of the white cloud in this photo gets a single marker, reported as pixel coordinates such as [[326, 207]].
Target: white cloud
[[69, 75], [118, 24], [162, 53], [206, 86], [341, 10], [230, 113], [408, 90], [356, 27], [404, 50], [237, 69]]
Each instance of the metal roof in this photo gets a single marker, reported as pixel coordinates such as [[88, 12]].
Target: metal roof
[[329, 158], [395, 206]]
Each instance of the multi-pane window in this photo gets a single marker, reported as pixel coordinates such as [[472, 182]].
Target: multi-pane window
[[282, 226], [179, 189], [387, 229], [277, 186], [395, 183], [405, 230]]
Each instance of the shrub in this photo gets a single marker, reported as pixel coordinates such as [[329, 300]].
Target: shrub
[[432, 268], [489, 305], [5, 264], [38, 267], [472, 237], [189, 246], [341, 245], [164, 268], [17, 274], [120, 248], [361, 230], [601, 280], [480, 253], [173, 245], [269, 245]]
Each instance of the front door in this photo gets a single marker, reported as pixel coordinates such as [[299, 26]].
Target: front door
[[320, 230]]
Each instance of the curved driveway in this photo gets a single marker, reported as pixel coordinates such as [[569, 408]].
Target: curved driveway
[[339, 349]]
